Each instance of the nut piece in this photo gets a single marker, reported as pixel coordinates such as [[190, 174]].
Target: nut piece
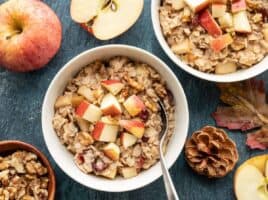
[[210, 152]]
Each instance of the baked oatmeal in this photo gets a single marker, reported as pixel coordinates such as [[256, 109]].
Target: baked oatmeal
[[23, 177], [216, 36], [109, 118]]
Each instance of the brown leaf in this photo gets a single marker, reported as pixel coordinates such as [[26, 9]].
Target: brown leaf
[[258, 139], [247, 108]]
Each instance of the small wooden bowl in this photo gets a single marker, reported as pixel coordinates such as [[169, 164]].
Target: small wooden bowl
[[14, 145]]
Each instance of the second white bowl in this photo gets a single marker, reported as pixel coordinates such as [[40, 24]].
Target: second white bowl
[[64, 158], [232, 77]]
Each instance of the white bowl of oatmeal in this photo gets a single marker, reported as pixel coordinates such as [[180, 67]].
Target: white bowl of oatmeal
[[106, 143], [191, 45]]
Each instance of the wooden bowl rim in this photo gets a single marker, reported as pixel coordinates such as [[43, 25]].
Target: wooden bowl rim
[[20, 145]]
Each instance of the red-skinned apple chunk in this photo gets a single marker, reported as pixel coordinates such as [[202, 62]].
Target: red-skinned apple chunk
[[88, 111], [197, 5], [136, 127], [30, 35], [105, 132], [208, 23], [110, 105], [107, 18], [221, 42], [134, 105], [112, 151], [113, 86]]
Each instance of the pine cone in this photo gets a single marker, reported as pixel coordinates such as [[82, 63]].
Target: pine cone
[[210, 152]]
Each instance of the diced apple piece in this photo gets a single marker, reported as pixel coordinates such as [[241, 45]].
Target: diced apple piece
[[83, 124], [226, 21], [86, 92], [136, 127], [110, 105], [110, 172], [76, 100], [208, 23], [112, 151], [129, 172], [197, 5], [238, 5], [134, 105], [113, 86], [182, 47], [64, 100], [218, 10], [177, 4], [241, 23], [88, 111], [247, 180], [225, 68], [127, 140], [221, 42], [105, 132], [110, 120]]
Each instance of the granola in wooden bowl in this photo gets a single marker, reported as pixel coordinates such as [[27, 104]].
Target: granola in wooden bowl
[[108, 117], [218, 36]]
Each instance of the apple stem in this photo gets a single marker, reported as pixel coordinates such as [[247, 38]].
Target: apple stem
[[12, 34]]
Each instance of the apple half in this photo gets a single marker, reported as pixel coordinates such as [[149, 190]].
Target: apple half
[[106, 19], [250, 180]]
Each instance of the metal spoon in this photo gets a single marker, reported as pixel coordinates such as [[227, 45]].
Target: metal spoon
[[170, 189]]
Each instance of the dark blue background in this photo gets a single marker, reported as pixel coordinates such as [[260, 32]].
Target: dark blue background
[[21, 97]]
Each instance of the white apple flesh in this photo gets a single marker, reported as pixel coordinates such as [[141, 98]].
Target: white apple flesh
[[247, 180], [107, 21], [30, 35]]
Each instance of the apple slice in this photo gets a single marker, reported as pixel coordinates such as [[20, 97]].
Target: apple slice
[[112, 151], [106, 19], [218, 10], [247, 180], [110, 105], [208, 23], [88, 111], [197, 5], [113, 86], [129, 172], [182, 47], [258, 161], [127, 140], [110, 172], [105, 132], [86, 92], [134, 105], [136, 127], [221, 42], [241, 23], [238, 5], [226, 21]]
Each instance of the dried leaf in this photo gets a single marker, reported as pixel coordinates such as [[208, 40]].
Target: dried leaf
[[247, 108], [258, 139]]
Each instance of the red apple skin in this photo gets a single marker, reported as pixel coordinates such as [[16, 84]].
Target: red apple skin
[[87, 28], [238, 5], [97, 130], [208, 23], [221, 42], [39, 40], [80, 110]]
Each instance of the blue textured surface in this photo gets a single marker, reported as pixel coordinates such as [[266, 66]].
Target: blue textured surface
[[21, 97]]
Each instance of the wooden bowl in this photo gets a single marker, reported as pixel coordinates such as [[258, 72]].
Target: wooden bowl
[[14, 145]]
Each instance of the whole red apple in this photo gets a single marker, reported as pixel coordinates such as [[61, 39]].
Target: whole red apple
[[30, 35]]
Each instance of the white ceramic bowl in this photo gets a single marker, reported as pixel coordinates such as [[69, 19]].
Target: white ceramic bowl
[[64, 159], [232, 77]]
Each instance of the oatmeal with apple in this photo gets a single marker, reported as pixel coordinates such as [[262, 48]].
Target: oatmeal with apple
[[218, 36], [109, 118]]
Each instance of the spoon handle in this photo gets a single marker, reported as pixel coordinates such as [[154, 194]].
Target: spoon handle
[[170, 189]]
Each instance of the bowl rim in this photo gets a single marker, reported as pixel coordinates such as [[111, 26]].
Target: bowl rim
[[14, 145], [119, 46], [239, 75]]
